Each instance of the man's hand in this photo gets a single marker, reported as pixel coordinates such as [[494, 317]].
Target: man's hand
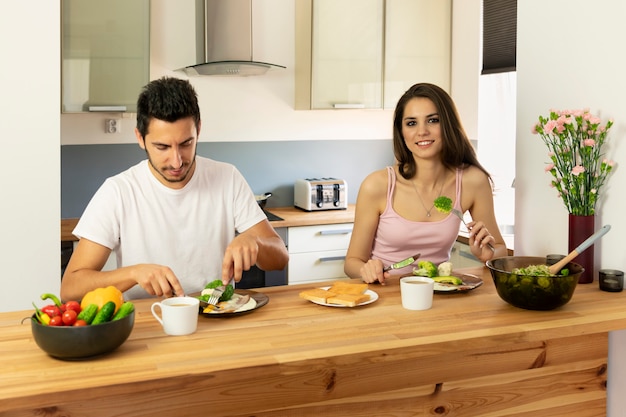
[[240, 255], [157, 280]]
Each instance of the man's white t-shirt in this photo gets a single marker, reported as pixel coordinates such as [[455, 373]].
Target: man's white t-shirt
[[143, 221]]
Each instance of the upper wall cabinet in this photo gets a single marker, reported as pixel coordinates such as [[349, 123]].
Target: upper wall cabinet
[[105, 54], [367, 53]]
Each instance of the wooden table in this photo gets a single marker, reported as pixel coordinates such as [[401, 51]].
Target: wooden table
[[471, 354]]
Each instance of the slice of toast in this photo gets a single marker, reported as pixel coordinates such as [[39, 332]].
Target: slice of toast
[[342, 287], [317, 294], [349, 300]]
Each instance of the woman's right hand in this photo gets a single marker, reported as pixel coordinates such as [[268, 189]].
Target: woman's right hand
[[372, 271]]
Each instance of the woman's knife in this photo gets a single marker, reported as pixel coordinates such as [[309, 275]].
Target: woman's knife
[[402, 264]]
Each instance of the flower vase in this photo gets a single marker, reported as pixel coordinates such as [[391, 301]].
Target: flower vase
[[580, 228]]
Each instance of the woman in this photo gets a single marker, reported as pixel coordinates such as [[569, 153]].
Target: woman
[[395, 213]]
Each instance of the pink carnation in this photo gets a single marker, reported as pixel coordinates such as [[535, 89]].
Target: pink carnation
[[549, 127], [549, 167], [577, 170], [589, 142]]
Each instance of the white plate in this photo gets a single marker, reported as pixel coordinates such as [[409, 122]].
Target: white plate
[[372, 294], [257, 300], [250, 305]]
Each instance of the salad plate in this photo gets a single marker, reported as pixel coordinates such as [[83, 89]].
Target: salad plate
[[470, 282]]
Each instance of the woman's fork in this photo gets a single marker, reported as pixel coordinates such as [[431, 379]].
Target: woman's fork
[[458, 214]]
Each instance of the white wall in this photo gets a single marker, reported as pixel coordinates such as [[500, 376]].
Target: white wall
[[29, 110], [570, 54]]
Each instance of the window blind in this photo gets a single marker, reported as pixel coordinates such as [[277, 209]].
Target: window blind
[[499, 36]]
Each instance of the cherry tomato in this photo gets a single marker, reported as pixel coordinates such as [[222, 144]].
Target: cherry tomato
[[80, 323], [72, 305], [56, 321], [51, 310], [69, 317]]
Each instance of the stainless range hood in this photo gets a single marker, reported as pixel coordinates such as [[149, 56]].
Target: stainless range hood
[[224, 42]]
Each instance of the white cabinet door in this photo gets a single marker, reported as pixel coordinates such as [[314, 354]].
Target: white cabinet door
[[418, 36], [347, 53], [462, 257], [367, 53], [105, 53]]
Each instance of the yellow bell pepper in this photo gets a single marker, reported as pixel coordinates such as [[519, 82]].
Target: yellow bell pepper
[[100, 296]]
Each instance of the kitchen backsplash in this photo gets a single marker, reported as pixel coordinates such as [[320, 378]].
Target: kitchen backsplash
[[267, 166]]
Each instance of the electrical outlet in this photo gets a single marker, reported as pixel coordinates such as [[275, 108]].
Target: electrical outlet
[[113, 126]]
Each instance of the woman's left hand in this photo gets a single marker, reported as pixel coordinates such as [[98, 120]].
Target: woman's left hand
[[479, 240]]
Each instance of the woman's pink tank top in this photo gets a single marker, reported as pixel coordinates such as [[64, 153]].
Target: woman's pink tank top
[[398, 238]]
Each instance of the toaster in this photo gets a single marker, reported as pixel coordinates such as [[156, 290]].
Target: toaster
[[315, 194]]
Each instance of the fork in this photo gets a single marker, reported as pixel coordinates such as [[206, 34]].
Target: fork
[[458, 214], [215, 295]]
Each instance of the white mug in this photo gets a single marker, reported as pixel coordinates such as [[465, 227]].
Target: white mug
[[417, 292], [179, 315]]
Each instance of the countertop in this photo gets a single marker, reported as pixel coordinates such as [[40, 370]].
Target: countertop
[[470, 354]]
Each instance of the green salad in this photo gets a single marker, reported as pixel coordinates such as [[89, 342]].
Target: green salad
[[538, 271]]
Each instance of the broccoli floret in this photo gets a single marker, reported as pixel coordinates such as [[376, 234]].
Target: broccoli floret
[[444, 269], [443, 204], [229, 290], [425, 269]]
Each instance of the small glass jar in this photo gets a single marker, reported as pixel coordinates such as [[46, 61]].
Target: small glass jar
[[553, 258], [611, 280]]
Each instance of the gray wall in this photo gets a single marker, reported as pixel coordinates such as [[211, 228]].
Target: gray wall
[[267, 166]]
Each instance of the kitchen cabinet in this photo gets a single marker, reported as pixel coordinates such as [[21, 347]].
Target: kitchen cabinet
[[368, 59], [105, 54], [317, 253], [462, 257]]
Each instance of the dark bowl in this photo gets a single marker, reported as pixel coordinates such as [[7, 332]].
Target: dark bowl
[[532, 292], [68, 342]]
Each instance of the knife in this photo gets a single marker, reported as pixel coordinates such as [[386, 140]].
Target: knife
[[402, 264]]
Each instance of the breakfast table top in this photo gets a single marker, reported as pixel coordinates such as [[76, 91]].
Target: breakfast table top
[[289, 351]]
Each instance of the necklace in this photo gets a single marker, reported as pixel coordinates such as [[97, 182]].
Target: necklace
[[428, 210]]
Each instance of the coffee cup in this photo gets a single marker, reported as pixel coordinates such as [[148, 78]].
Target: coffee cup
[[179, 315], [417, 292]]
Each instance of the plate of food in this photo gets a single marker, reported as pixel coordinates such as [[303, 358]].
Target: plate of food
[[455, 284], [341, 294], [241, 301]]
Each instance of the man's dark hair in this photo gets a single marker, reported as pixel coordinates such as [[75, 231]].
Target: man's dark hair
[[168, 99]]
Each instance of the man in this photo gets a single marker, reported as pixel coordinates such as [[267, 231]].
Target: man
[[176, 221]]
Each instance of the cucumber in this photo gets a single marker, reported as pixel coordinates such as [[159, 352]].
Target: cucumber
[[124, 311], [88, 314], [105, 313]]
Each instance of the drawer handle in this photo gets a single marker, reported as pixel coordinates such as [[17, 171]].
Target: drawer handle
[[336, 232], [468, 255], [332, 258]]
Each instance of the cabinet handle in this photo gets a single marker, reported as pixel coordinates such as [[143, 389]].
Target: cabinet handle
[[468, 255], [349, 105], [332, 258], [108, 108], [336, 232]]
